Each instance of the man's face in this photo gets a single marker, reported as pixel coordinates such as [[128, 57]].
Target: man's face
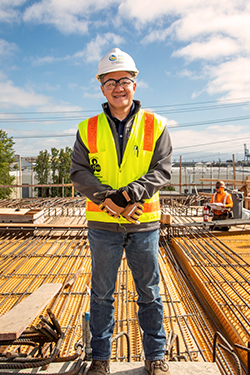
[[119, 98], [218, 188]]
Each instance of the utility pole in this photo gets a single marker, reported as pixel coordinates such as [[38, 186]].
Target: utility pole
[[180, 177]]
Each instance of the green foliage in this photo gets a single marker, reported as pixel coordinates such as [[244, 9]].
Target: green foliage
[[168, 187], [7, 156], [54, 168], [42, 170]]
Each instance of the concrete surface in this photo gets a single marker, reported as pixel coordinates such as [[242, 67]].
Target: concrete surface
[[131, 368]]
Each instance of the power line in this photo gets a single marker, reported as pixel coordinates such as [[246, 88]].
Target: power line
[[209, 122], [181, 125], [213, 143], [169, 108], [43, 136]]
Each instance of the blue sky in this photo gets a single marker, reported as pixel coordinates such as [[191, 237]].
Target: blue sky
[[193, 58]]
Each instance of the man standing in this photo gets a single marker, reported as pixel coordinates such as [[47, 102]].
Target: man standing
[[121, 158], [221, 202]]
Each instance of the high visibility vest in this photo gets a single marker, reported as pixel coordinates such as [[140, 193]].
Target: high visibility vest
[[97, 136], [215, 199]]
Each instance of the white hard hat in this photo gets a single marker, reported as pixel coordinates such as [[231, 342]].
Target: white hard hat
[[220, 184], [115, 61]]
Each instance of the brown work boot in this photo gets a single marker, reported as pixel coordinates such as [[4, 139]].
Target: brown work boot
[[98, 367], [158, 367]]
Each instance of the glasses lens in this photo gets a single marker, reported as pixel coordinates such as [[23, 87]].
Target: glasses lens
[[109, 84], [125, 82]]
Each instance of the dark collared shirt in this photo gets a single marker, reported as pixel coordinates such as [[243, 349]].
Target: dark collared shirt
[[120, 124]]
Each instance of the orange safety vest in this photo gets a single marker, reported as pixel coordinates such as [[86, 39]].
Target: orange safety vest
[[224, 198], [97, 136]]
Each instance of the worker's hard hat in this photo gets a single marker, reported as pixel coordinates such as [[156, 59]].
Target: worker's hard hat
[[116, 61], [220, 184]]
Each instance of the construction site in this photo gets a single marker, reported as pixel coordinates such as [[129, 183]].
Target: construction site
[[45, 271]]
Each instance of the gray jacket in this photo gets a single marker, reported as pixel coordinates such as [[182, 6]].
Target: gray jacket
[[145, 187]]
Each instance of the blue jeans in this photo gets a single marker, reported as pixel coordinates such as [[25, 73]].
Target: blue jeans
[[142, 257]]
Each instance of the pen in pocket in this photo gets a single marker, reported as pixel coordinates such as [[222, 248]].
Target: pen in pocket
[[136, 150]]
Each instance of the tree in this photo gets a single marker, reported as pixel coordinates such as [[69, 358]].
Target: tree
[[64, 168], [54, 168], [42, 170], [7, 156], [54, 165], [168, 187]]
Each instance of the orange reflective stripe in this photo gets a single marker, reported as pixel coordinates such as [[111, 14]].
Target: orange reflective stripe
[[148, 131], [92, 134], [148, 207], [152, 206], [91, 206]]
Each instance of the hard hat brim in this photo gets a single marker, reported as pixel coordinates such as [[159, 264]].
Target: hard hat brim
[[135, 72]]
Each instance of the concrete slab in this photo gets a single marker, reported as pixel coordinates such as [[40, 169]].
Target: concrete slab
[[130, 368], [176, 368]]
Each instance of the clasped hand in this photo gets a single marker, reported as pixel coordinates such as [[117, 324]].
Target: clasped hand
[[117, 202]]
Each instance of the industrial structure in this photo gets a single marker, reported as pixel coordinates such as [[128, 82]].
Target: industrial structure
[[246, 152], [204, 287]]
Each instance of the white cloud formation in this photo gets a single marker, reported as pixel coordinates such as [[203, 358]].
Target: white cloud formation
[[14, 96], [7, 48], [8, 11], [215, 32], [91, 53], [68, 16], [95, 48], [228, 141], [231, 77], [142, 84], [212, 49]]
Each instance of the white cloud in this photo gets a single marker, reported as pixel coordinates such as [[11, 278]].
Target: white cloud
[[172, 123], [228, 129], [212, 31], [68, 16], [218, 140], [14, 96], [93, 52], [211, 49], [8, 13], [142, 84], [45, 60], [11, 95], [7, 48], [231, 77], [94, 49], [157, 36], [32, 146], [144, 11]]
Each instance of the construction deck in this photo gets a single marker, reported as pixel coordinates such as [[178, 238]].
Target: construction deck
[[216, 264]]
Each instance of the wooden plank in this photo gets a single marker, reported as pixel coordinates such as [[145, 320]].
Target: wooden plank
[[236, 182], [13, 212], [166, 219], [15, 321], [21, 215]]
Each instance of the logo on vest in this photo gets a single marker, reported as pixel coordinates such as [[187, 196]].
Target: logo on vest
[[95, 166]]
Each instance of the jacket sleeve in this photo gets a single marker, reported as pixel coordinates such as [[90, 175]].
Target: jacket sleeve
[[159, 173], [81, 173]]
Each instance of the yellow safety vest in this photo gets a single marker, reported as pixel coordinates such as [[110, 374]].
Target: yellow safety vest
[[96, 134]]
